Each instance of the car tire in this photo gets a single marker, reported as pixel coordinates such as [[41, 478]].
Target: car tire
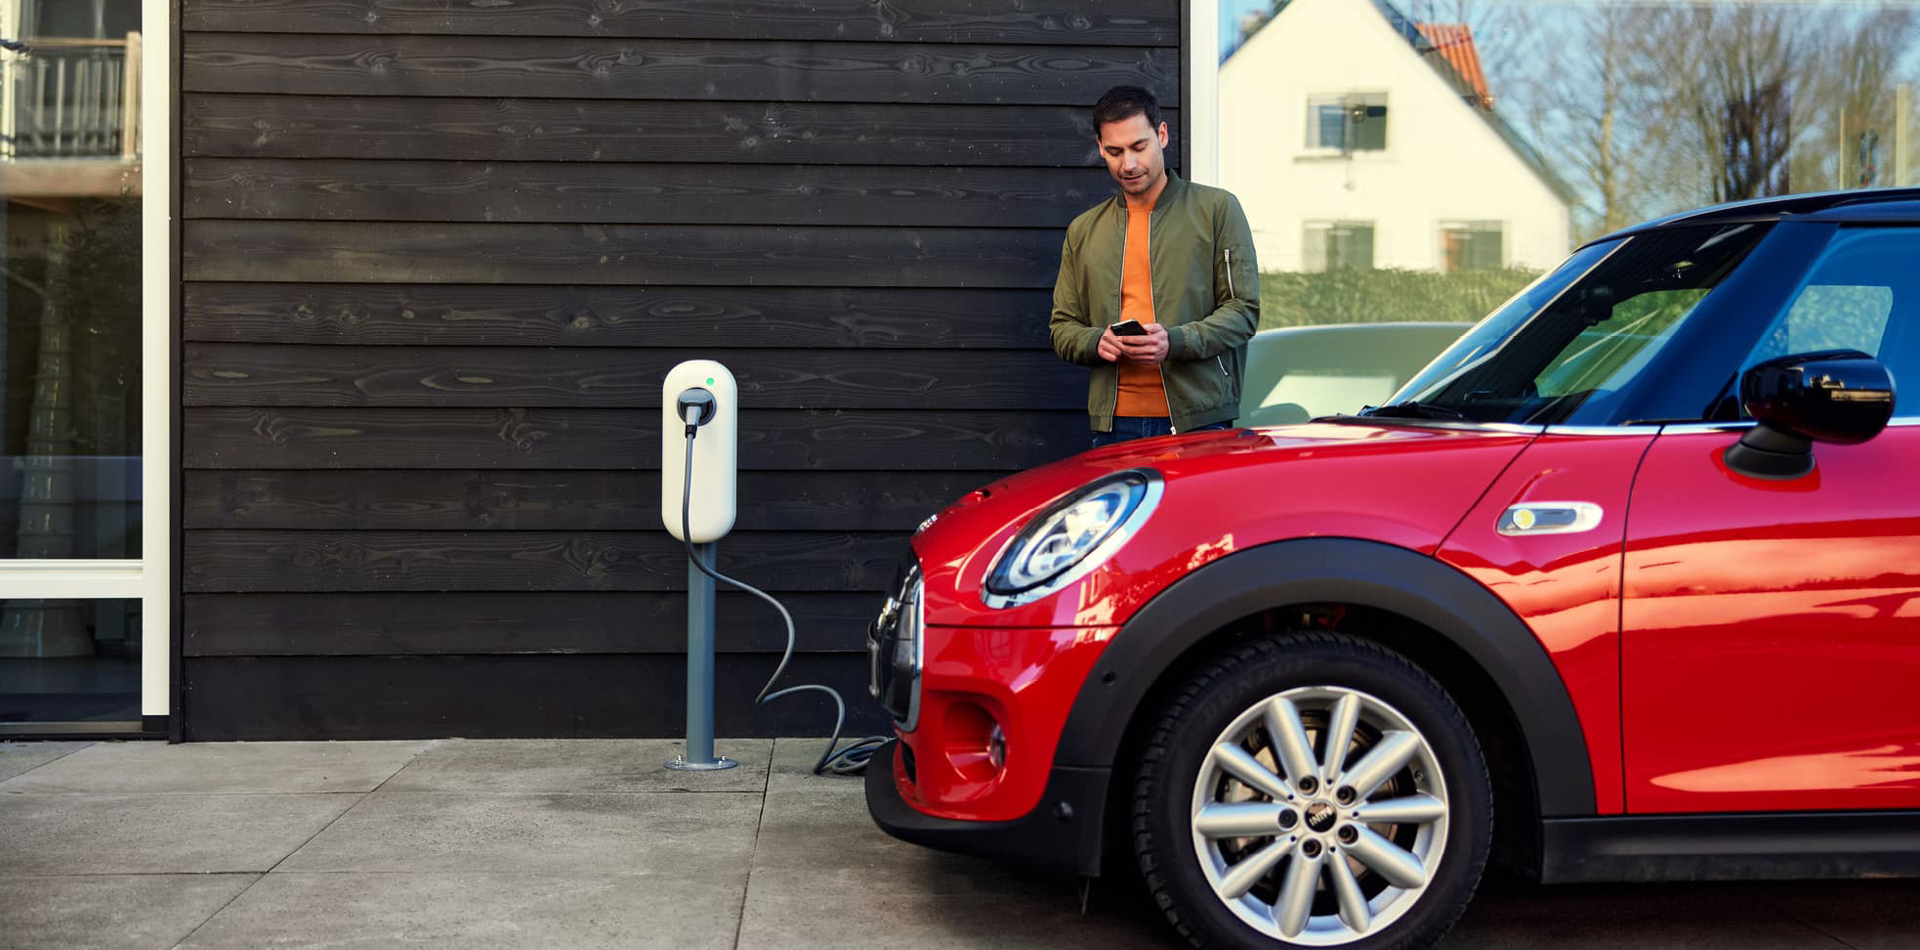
[[1379, 850]]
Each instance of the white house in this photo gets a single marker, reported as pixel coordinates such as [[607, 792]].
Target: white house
[[1356, 138]]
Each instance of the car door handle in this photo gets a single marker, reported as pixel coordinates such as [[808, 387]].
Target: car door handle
[[1549, 517]]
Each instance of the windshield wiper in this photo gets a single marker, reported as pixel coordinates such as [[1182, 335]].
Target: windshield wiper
[[1414, 410]]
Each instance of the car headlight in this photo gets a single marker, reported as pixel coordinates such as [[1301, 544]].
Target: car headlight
[[1072, 537]]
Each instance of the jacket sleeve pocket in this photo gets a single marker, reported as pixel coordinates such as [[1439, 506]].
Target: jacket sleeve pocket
[[1236, 275]]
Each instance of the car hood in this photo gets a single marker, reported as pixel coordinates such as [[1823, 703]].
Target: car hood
[[1225, 490]]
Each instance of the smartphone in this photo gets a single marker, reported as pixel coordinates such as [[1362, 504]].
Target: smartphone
[[1128, 328]]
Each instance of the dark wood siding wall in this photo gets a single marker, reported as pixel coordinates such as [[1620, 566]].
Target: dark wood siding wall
[[437, 258]]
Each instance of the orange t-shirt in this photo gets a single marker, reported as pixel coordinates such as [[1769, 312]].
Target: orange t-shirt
[[1141, 391]]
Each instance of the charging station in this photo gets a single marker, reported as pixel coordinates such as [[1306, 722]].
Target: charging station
[[699, 394], [700, 435]]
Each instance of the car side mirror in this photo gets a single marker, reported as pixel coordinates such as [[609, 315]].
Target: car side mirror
[[1840, 396]]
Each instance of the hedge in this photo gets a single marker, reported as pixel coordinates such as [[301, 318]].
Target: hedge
[[1292, 298]]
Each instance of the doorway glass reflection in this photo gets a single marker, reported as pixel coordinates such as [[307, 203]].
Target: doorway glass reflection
[[70, 348]]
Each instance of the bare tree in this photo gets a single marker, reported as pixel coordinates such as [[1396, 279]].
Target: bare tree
[[1756, 137], [1854, 95], [1792, 97], [1581, 85], [1653, 107], [1733, 77], [1606, 135]]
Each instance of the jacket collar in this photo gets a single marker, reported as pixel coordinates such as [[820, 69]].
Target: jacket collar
[[1174, 187]]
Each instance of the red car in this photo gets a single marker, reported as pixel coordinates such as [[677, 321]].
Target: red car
[[1625, 585]]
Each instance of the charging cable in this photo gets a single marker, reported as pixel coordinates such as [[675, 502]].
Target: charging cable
[[851, 760]]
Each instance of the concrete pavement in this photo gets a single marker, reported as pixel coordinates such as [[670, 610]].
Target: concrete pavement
[[590, 843]]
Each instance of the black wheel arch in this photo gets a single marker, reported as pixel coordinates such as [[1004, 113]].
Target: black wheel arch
[[1369, 574]]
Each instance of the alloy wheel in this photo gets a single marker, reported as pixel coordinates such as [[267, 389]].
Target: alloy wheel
[[1319, 815]]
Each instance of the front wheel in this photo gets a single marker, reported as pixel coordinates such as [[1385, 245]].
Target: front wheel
[[1312, 790]]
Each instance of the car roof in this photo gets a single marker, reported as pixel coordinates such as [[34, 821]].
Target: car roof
[[1876, 205]]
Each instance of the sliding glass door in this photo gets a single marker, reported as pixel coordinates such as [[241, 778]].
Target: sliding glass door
[[74, 351]]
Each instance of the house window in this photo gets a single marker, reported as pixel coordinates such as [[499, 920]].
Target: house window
[[1472, 245], [1331, 245], [1353, 123], [81, 19]]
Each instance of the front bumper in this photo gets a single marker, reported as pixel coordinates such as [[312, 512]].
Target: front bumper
[[1061, 834]]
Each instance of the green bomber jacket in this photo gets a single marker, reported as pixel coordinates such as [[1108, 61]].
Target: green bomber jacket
[[1206, 292]]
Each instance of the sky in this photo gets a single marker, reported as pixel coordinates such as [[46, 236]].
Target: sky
[[1230, 13]]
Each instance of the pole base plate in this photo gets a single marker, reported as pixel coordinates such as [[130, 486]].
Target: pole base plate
[[680, 764]]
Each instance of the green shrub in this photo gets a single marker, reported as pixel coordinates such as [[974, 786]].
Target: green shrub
[[1292, 299]]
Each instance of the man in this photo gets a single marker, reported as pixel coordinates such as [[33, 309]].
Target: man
[[1176, 257]]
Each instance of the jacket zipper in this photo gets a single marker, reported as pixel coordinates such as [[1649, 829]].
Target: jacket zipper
[[1125, 224], [1227, 255]]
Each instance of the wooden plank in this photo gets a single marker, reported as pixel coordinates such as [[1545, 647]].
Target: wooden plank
[[1127, 22], [358, 251], [556, 501], [506, 315], [501, 697], [531, 130], [267, 561], [581, 193], [667, 69], [430, 624], [247, 374], [770, 439]]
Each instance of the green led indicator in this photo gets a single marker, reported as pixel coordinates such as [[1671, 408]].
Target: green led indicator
[[709, 380]]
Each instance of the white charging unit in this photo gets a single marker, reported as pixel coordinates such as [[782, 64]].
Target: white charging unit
[[715, 452]]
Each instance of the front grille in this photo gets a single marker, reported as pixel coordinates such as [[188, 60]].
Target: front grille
[[895, 647]]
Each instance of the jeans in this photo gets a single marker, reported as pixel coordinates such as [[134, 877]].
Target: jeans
[[1128, 428]]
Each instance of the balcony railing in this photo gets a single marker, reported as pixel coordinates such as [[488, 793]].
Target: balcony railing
[[67, 98]]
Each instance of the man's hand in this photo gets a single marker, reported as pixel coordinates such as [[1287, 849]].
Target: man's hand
[[1150, 348], [1109, 349]]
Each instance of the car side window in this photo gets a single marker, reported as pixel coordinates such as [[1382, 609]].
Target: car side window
[[1861, 295], [1830, 317], [1607, 354]]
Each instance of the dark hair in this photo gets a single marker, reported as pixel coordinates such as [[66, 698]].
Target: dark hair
[[1122, 103]]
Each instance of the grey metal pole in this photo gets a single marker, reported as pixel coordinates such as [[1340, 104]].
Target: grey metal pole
[[700, 660], [1902, 115]]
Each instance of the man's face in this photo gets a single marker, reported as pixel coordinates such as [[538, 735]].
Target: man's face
[[1135, 153]]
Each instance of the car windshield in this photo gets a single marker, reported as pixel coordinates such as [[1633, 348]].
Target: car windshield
[[1563, 348]]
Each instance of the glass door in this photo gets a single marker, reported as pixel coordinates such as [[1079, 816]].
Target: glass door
[[73, 400]]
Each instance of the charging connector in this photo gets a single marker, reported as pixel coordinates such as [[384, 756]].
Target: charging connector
[[851, 760], [697, 401]]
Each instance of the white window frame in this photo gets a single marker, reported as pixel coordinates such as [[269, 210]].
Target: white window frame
[[1472, 225], [1315, 101], [1316, 225], [1203, 91], [157, 291]]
